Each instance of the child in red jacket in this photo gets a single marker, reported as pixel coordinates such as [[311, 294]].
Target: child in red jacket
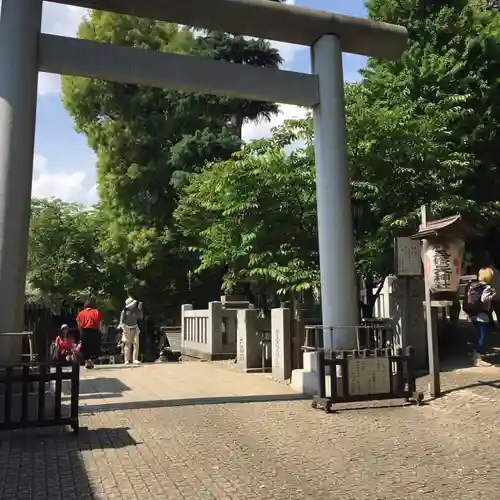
[[66, 346]]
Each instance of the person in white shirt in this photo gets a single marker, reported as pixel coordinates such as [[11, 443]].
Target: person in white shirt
[[129, 324]]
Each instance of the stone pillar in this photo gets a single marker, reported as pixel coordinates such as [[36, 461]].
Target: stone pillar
[[339, 300], [11, 349], [280, 343], [184, 308], [20, 24], [249, 353], [214, 333], [406, 312]]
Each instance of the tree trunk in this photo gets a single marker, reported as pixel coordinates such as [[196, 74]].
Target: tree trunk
[[297, 331], [368, 305], [237, 124]]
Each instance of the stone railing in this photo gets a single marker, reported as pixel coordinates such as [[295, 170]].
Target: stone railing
[[209, 333], [217, 333]]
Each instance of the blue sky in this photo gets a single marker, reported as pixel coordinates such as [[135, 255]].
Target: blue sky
[[65, 166]]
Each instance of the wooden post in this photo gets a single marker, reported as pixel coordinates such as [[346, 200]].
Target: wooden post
[[432, 344]]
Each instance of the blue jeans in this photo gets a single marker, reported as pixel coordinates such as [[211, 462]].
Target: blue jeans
[[482, 330]]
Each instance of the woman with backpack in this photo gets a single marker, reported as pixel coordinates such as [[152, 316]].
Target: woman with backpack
[[478, 300]]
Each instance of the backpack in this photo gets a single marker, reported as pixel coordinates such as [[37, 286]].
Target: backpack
[[473, 305]]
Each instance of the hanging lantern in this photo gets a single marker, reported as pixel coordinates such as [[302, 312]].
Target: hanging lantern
[[443, 264]]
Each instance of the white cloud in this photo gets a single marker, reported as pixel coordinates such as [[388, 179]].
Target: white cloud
[[48, 83], [258, 130], [60, 20], [68, 186]]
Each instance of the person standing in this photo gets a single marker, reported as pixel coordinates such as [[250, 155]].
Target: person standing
[[478, 300], [89, 322], [495, 304], [129, 323]]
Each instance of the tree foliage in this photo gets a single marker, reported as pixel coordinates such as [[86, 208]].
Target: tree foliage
[[255, 213], [63, 263], [399, 161], [147, 141], [494, 4], [421, 130], [450, 72], [240, 50]]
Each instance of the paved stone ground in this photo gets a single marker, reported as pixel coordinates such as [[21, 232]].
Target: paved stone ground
[[163, 432]]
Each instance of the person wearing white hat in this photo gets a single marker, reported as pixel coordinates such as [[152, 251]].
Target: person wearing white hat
[[129, 324]]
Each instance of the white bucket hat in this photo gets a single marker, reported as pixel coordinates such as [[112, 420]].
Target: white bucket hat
[[130, 303]]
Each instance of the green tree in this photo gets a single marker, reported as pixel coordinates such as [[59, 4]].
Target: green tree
[[439, 105], [255, 214], [147, 140], [420, 130], [399, 161], [240, 50], [450, 70], [63, 264]]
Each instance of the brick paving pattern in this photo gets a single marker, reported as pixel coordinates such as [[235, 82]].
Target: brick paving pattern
[[265, 450]]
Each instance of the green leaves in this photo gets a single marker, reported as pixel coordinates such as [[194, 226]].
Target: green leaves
[[424, 128], [63, 261], [179, 191], [148, 141], [255, 213], [421, 130]]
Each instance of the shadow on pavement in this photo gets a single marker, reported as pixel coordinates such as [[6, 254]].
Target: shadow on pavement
[[494, 384], [104, 395], [49, 463], [86, 439], [165, 403], [390, 404], [101, 385]]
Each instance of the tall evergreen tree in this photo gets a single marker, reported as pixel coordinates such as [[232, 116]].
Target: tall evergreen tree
[[240, 50], [147, 140]]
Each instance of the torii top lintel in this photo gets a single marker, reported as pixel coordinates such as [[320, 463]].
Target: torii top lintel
[[265, 19]]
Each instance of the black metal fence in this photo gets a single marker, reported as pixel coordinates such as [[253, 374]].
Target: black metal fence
[[376, 333], [31, 396], [373, 333], [392, 378]]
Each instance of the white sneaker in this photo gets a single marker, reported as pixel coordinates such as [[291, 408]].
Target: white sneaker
[[478, 360], [482, 362], [127, 362], [137, 362]]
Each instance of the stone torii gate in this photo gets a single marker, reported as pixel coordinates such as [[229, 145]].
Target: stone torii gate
[[24, 51]]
